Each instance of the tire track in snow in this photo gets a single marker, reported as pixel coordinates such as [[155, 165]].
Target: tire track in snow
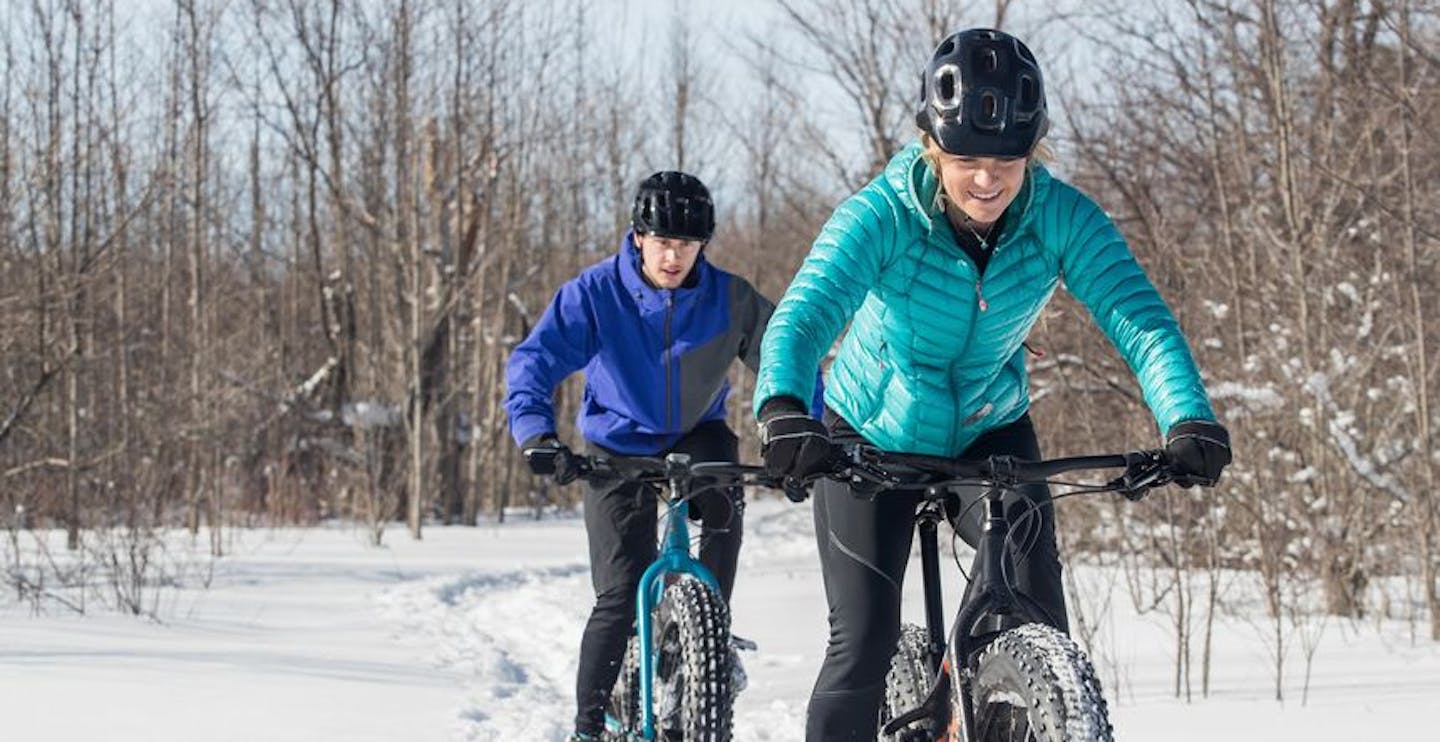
[[517, 635], [514, 633]]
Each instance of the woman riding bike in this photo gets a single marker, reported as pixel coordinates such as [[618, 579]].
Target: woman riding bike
[[941, 265]]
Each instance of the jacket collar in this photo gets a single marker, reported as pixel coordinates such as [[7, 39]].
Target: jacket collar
[[649, 298]]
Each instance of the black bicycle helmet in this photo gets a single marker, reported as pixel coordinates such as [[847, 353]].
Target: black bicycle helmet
[[674, 204], [982, 96]]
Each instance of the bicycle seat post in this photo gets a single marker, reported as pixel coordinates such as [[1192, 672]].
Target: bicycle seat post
[[931, 513]]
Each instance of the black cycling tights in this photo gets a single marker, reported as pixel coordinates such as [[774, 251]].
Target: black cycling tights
[[621, 523], [864, 548]]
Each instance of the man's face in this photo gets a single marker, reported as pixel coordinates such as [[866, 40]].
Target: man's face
[[667, 260]]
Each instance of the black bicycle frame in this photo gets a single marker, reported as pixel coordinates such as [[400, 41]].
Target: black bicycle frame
[[990, 605]]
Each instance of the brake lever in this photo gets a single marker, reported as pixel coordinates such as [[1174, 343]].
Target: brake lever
[[1143, 472], [796, 490], [1134, 489], [595, 470], [862, 474]]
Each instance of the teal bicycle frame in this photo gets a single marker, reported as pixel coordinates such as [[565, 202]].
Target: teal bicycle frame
[[674, 559]]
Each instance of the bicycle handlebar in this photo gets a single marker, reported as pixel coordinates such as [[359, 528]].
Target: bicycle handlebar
[[864, 465], [653, 469]]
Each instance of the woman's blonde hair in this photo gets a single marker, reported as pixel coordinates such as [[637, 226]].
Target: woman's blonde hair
[[931, 154]]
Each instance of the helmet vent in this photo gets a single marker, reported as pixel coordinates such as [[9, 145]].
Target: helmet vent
[[946, 48], [988, 107], [947, 88], [1028, 98], [989, 60]]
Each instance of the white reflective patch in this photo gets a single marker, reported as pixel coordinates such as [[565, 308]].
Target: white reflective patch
[[1012, 699]]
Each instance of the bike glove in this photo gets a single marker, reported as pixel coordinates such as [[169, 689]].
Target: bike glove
[[793, 444], [1199, 450], [551, 457]]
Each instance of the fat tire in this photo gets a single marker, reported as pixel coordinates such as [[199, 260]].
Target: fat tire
[[692, 631], [1034, 679], [907, 685], [625, 696]]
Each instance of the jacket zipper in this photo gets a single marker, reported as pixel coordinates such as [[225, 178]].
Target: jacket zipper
[[982, 306], [669, 312], [980, 279]]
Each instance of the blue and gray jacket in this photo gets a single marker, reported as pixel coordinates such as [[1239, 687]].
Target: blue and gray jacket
[[655, 360]]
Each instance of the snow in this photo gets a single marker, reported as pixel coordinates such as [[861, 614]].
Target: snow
[[1256, 397], [471, 634]]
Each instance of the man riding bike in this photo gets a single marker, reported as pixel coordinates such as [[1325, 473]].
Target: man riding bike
[[654, 328]]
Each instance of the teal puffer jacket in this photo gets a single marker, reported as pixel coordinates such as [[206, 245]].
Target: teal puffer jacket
[[934, 354]]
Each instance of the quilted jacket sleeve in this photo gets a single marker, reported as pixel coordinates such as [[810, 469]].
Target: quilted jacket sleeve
[[759, 310], [1102, 273], [843, 264]]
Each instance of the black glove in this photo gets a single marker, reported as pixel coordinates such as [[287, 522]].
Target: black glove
[[793, 444], [547, 455], [1199, 450]]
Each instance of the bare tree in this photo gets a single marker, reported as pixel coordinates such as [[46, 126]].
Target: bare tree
[[869, 52]]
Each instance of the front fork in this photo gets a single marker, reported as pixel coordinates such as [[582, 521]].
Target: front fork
[[987, 596], [674, 559]]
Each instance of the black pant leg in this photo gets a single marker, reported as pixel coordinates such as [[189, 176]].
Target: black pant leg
[[864, 548], [620, 524]]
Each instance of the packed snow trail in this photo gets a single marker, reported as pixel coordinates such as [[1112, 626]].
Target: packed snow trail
[[517, 633], [513, 626]]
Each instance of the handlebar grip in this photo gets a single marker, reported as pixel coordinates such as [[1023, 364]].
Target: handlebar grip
[[544, 460], [541, 459]]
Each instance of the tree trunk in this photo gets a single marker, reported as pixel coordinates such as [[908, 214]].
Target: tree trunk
[[408, 240], [1430, 516]]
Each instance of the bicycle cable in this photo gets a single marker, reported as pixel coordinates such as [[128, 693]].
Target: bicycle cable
[[1077, 488], [714, 483], [1020, 554]]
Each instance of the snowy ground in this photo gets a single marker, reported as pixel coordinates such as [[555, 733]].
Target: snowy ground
[[471, 633]]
